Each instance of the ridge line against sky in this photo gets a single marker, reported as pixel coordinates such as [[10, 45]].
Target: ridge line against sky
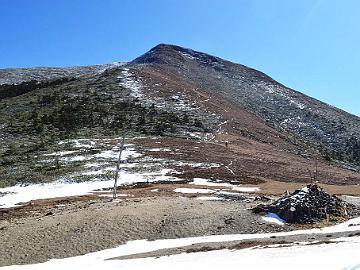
[[309, 46]]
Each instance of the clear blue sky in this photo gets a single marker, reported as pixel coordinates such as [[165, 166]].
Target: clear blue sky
[[310, 45]]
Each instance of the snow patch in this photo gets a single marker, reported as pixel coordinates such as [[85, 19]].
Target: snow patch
[[209, 198], [128, 81], [160, 150], [189, 56], [193, 190], [61, 153], [21, 194], [207, 182], [246, 189], [274, 218]]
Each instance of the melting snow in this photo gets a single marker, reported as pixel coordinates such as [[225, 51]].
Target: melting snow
[[207, 182], [209, 198], [75, 158], [114, 154], [274, 218], [21, 194], [80, 143], [246, 189], [193, 190], [160, 150], [91, 165], [128, 81], [62, 153]]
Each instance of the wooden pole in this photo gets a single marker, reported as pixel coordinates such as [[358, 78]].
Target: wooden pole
[[118, 165]]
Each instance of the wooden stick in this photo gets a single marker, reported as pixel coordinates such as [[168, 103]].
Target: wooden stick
[[118, 165]]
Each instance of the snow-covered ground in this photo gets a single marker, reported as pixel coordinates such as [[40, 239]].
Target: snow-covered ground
[[98, 170], [96, 165], [20, 194], [341, 253]]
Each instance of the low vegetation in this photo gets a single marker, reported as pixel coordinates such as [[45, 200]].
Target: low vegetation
[[34, 117]]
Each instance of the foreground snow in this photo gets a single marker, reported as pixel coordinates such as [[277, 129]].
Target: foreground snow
[[339, 254]]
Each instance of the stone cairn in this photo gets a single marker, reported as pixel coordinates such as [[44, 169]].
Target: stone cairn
[[310, 204]]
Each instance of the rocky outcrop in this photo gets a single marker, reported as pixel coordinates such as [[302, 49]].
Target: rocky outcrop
[[310, 204]]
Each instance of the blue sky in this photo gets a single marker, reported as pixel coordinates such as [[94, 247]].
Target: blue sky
[[309, 45]]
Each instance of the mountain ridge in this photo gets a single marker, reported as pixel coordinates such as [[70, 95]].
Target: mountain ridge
[[143, 59]]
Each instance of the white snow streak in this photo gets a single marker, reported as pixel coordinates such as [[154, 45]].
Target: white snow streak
[[193, 190], [128, 81]]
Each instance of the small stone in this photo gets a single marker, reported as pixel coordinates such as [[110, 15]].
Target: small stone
[[49, 214]]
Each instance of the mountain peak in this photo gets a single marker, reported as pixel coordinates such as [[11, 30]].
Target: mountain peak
[[164, 46], [168, 53]]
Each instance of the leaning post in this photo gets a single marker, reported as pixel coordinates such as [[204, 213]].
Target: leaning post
[[118, 165]]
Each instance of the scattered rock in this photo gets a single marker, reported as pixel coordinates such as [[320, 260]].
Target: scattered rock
[[49, 214], [310, 204], [354, 234], [232, 196], [262, 198], [229, 220]]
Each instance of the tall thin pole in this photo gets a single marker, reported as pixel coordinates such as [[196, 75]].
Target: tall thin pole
[[118, 165]]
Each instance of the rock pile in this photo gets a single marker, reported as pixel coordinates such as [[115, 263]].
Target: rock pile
[[308, 205]]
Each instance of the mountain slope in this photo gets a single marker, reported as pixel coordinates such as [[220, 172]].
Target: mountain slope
[[273, 133], [334, 132], [19, 75]]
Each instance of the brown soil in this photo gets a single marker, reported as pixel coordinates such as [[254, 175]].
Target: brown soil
[[246, 161], [256, 151]]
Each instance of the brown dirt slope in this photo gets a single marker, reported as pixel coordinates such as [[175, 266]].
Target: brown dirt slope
[[255, 152]]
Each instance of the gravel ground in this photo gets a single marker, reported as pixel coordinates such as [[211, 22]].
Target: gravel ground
[[87, 226], [66, 227]]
